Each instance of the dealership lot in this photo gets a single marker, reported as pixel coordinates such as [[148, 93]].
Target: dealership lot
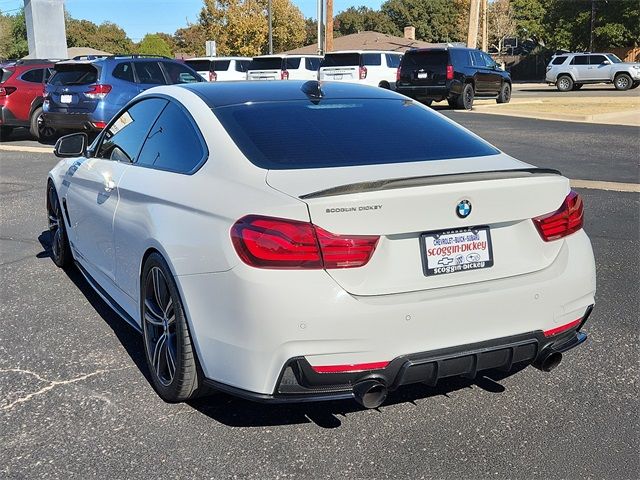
[[75, 401]]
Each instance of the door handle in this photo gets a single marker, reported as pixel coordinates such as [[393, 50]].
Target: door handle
[[109, 185]]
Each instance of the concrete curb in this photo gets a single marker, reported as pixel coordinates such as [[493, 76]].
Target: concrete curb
[[21, 148], [612, 118]]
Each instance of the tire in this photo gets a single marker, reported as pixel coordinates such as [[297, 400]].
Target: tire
[[384, 85], [622, 82], [451, 102], [564, 83], [427, 102], [38, 129], [169, 352], [465, 100], [60, 248], [505, 93], [577, 86], [5, 132], [635, 85]]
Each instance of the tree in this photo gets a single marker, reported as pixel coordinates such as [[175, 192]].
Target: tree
[[190, 41], [435, 20], [528, 16], [310, 31], [13, 36], [111, 38], [80, 33], [501, 23], [153, 44], [362, 19]]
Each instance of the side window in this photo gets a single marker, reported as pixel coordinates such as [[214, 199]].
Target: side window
[[241, 65], [150, 73], [478, 59], [179, 73], [312, 64], [580, 60], [173, 143], [559, 60], [47, 74], [221, 65], [33, 76], [123, 139], [292, 63], [597, 59], [372, 59], [488, 60], [393, 61], [124, 71]]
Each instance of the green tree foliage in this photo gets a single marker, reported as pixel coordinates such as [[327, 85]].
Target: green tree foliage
[[190, 40], [13, 36], [310, 31], [435, 20], [154, 44], [362, 19]]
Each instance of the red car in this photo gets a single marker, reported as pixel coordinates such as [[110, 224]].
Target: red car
[[21, 86]]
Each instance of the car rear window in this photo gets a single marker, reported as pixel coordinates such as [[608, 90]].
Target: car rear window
[[341, 60], [199, 65], [221, 65], [558, 60], [74, 75], [428, 59], [293, 63], [304, 134], [371, 59], [271, 63]]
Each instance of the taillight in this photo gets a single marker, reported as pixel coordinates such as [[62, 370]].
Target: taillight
[[351, 368], [398, 74], [98, 91], [6, 91], [267, 242], [562, 328], [363, 73], [100, 125], [449, 72], [564, 221], [213, 76], [284, 75]]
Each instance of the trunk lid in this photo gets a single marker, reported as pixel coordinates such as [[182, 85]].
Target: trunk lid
[[424, 67], [341, 66], [69, 86], [401, 203]]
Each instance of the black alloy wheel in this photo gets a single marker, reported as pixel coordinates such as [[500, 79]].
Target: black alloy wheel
[[60, 248]]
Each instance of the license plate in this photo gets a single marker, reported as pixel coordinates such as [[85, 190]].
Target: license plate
[[66, 98], [423, 75], [455, 251], [337, 77]]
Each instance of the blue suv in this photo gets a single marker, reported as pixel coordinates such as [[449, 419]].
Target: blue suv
[[86, 92]]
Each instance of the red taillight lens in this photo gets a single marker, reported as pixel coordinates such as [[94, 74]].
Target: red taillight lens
[[449, 72], [267, 242], [284, 75], [98, 91], [213, 76], [363, 73], [565, 221], [562, 328], [6, 91], [398, 74], [353, 368], [100, 125]]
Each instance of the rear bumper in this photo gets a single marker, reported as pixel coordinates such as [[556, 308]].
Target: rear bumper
[[434, 92], [69, 121], [299, 382], [7, 118]]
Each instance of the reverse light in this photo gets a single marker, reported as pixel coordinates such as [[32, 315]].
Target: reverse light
[[268, 242], [363, 73], [6, 91], [98, 91], [284, 75], [449, 72], [566, 220], [354, 368], [213, 76]]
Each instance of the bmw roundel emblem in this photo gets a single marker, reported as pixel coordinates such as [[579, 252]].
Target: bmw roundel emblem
[[463, 209]]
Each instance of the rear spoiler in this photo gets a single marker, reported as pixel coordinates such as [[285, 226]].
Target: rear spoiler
[[407, 182]]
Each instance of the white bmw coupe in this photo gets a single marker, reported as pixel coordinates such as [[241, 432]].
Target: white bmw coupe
[[290, 241]]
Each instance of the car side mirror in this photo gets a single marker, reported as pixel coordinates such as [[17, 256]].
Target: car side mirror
[[74, 145], [606, 62]]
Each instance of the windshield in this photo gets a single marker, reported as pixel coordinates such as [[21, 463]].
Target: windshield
[[614, 58], [269, 63], [306, 134]]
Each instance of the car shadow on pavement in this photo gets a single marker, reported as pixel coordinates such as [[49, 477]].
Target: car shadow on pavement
[[237, 412]]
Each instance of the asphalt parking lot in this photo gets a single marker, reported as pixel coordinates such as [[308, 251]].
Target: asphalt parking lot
[[75, 401]]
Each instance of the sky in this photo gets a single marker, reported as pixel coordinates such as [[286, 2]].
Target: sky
[[138, 17]]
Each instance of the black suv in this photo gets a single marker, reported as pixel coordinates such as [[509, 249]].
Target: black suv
[[456, 74]]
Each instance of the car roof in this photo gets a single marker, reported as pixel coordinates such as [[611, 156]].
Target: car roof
[[217, 58], [91, 59], [222, 94], [363, 51], [288, 55]]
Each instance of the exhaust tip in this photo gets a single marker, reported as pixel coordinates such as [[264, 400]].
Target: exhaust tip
[[370, 393], [548, 360]]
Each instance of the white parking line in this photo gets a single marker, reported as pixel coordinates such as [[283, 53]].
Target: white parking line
[[24, 148], [613, 186]]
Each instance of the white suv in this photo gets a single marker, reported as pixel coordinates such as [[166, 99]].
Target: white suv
[[377, 68], [284, 67], [220, 69], [569, 71]]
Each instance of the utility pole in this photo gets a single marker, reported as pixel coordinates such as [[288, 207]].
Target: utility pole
[[485, 28], [474, 13], [320, 27], [329, 33], [593, 23], [270, 29]]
